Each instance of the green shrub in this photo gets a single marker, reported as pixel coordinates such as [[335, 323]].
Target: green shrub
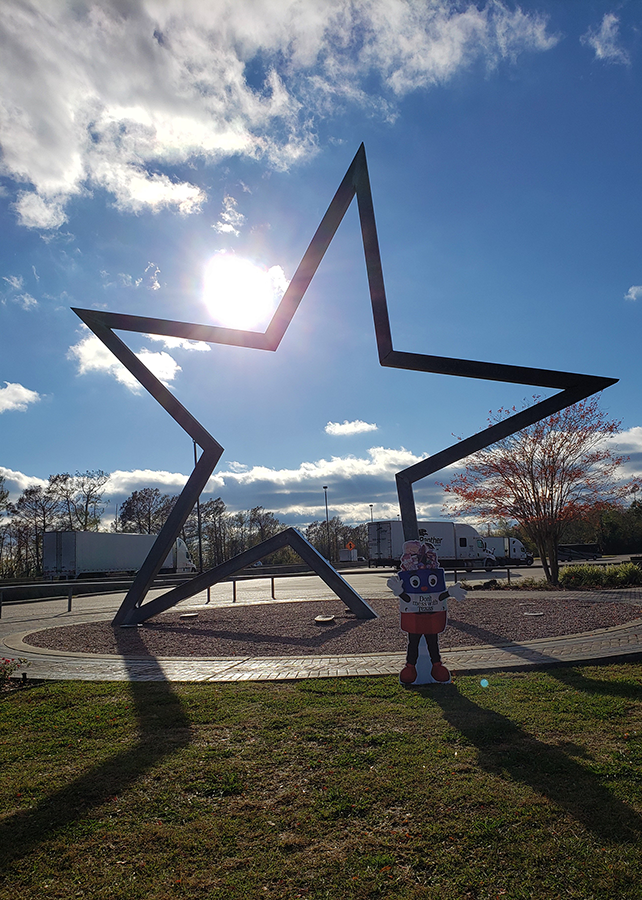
[[586, 576], [581, 576], [623, 575]]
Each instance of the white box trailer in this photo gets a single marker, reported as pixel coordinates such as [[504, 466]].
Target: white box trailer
[[70, 554], [346, 555], [509, 551], [458, 546]]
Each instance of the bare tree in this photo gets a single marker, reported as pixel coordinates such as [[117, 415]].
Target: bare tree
[[80, 499], [145, 511], [4, 494], [35, 512]]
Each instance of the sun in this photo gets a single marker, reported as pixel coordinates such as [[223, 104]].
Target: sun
[[241, 294]]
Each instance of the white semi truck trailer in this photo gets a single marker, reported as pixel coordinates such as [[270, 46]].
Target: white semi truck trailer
[[509, 551], [71, 554], [458, 546]]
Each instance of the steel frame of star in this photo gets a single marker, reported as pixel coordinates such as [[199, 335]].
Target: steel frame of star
[[572, 388]]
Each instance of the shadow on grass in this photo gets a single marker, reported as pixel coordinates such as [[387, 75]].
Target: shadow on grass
[[559, 669], [163, 728], [505, 749], [569, 676]]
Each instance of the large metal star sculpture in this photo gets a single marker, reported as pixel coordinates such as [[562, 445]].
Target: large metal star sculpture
[[572, 388]]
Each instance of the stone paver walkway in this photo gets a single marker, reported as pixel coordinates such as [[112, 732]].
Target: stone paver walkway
[[21, 620]]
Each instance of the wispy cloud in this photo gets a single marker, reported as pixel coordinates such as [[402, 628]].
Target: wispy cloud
[[15, 294], [345, 428], [231, 219], [125, 279], [15, 397], [127, 92], [634, 292], [26, 301], [152, 271], [148, 279], [605, 41]]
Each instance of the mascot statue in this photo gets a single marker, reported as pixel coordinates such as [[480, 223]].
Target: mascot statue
[[423, 602]]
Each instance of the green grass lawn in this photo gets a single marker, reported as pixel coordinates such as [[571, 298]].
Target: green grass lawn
[[356, 788]]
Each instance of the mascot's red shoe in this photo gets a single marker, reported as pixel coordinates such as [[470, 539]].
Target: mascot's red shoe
[[439, 672], [408, 674]]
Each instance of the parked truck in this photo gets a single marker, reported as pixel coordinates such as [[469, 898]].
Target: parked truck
[[70, 554], [509, 551], [578, 552], [458, 546]]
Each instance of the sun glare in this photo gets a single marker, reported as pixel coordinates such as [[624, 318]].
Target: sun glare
[[240, 294]]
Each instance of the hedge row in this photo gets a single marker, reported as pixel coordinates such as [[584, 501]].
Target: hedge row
[[585, 576]]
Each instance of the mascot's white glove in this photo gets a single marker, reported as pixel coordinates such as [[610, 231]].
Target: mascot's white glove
[[457, 591], [396, 585]]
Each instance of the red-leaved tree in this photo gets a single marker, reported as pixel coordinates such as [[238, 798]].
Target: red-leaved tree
[[543, 477]]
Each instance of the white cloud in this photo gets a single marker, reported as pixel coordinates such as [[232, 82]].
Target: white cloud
[[605, 41], [15, 282], [17, 482], [122, 484], [173, 343], [26, 301], [149, 278], [356, 427], [36, 211], [231, 219], [152, 271], [111, 95], [15, 397], [91, 355], [295, 494], [629, 444], [631, 439], [126, 280], [634, 292], [380, 461]]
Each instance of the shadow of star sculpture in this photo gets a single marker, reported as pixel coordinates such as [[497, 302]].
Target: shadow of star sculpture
[[572, 388]]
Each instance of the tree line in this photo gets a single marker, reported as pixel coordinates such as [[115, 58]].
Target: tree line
[[559, 480], [77, 503], [66, 503]]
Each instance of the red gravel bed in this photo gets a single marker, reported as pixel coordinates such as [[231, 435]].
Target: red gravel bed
[[289, 629]]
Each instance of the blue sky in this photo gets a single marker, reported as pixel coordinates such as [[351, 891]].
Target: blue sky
[[155, 152]]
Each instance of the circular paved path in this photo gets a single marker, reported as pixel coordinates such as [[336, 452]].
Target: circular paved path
[[19, 620]]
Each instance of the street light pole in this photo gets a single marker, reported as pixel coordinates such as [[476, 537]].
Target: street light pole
[[327, 521], [198, 520], [371, 519]]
